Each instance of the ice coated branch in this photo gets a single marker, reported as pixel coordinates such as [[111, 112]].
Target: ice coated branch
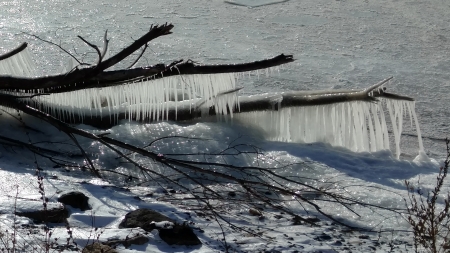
[[117, 77], [97, 77], [14, 51], [189, 110], [79, 76]]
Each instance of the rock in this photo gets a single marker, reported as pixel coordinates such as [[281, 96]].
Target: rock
[[363, 237], [254, 212], [179, 234], [98, 248], [76, 200], [143, 218], [55, 215], [323, 237]]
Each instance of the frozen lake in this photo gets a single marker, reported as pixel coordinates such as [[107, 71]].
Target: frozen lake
[[337, 44]]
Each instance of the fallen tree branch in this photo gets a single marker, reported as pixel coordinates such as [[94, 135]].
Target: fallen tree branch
[[14, 51], [58, 84], [76, 78], [95, 47], [189, 110]]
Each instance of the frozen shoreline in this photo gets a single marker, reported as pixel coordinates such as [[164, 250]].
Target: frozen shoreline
[[337, 44]]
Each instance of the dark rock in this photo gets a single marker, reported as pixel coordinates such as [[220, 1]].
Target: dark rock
[[324, 237], [143, 218], [178, 234], [98, 248], [76, 200], [56, 215], [363, 237], [254, 212], [297, 220]]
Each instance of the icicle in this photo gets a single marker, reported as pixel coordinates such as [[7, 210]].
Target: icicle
[[20, 64], [412, 113], [357, 126]]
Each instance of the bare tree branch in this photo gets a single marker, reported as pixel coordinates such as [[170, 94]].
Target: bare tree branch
[[14, 51], [59, 46], [94, 47]]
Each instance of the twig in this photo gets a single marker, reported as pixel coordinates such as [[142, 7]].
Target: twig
[[59, 46]]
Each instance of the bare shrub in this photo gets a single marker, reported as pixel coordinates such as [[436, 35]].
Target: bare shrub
[[430, 221]]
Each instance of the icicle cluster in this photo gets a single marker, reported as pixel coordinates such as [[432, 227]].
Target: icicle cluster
[[20, 64], [358, 126], [148, 99]]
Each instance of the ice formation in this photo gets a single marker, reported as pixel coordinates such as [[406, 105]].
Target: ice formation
[[356, 125], [20, 64], [146, 99]]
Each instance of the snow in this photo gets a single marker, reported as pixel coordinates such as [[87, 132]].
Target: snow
[[337, 44]]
